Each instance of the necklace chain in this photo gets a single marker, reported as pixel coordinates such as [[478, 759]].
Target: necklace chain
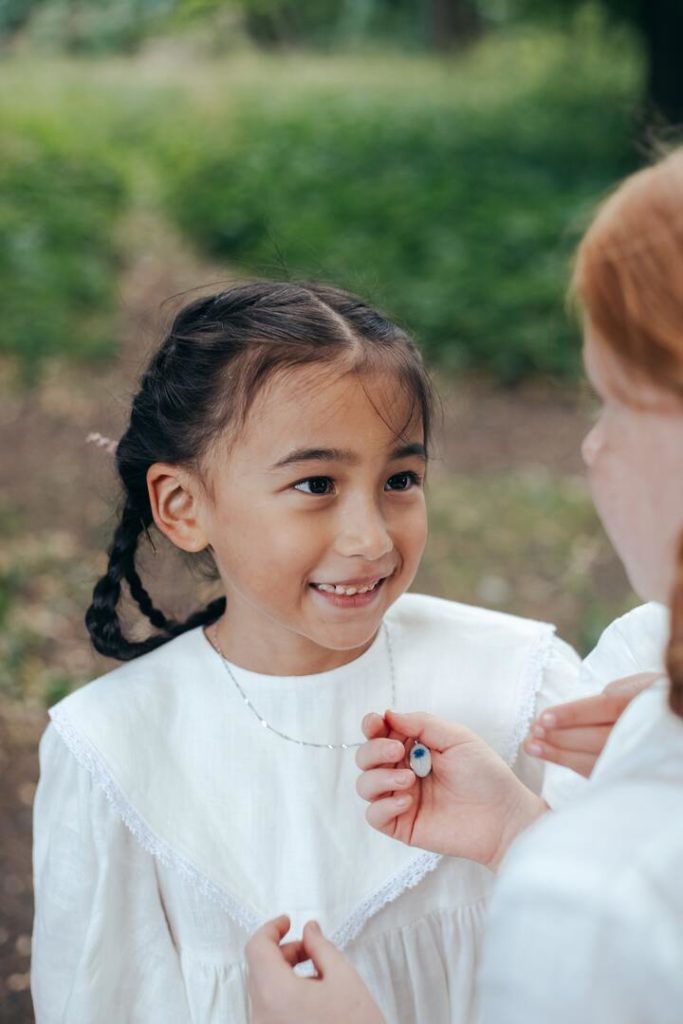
[[283, 735]]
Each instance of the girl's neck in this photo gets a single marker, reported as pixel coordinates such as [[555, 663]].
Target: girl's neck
[[287, 655]]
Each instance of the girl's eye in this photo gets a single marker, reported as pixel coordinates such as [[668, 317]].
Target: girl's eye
[[320, 485], [402, 481]]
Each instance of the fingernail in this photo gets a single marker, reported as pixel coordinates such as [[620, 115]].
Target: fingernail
[[402, 801], [548, 719], [539, 731], [534, 748]]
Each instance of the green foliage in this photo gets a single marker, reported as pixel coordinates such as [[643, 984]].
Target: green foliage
[[87, 26], [457, 213], [57, 256], [545, 10]]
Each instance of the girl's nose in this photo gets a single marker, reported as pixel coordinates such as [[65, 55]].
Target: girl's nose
[[591, 445], [363, 532]]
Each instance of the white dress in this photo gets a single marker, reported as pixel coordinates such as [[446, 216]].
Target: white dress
[[169, 823], [587, 918]]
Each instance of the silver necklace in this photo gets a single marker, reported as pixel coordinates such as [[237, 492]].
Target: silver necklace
[[283, 735]]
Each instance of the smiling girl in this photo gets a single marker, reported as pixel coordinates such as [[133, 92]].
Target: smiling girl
[[283, 431]]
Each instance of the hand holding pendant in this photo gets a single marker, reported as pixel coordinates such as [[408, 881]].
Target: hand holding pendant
[[470, 804]]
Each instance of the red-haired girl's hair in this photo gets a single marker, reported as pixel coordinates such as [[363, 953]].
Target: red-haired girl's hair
[[628, 278]]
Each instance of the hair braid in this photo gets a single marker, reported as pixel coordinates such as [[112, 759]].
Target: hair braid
[[142, 597], [101, 618]]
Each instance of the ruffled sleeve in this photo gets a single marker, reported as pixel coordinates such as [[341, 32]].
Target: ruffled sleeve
[[96, 891], [561, 681]]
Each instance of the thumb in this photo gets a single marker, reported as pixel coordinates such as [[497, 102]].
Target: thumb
[[435, 733], [322, 952]]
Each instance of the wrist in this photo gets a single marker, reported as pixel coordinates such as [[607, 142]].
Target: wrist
[[528, 809]]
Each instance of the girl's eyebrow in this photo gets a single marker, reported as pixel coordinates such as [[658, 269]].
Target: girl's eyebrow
[[341, 455]]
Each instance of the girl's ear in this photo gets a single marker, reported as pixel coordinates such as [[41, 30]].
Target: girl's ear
[[174, 497]]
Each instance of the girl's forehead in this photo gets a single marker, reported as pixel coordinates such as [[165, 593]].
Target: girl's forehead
[[317, 403]]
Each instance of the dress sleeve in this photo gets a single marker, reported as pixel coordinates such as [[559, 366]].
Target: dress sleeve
[[561, 680], [632, 643], [102, 950]]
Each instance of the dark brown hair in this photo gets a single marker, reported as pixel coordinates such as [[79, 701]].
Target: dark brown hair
[[218, 354]]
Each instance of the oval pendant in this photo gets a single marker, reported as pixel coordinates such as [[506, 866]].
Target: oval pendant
[[421, 760]]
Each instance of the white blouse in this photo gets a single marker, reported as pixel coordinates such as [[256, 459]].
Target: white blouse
[[169, 823], [587, 917]]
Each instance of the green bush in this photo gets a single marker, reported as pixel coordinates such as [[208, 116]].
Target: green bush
[[58, 259], [457, 212]]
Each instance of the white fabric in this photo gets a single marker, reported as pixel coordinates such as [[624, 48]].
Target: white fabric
[[169, 823], [587, 919]]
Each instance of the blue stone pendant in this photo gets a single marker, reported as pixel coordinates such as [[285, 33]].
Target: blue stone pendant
[[421, 760]]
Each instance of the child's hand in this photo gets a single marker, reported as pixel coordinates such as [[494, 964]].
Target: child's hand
[[575, 733], [278, 996], [471, 805]]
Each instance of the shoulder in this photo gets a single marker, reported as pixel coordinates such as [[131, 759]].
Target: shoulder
[[147, 693], [635, 642], [421, 613], [480, 667], [475, 640]]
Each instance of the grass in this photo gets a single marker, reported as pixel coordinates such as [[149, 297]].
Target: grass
[[448, 191]]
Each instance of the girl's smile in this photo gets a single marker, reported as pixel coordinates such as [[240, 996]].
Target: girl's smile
[[352, 594], [315, 514]]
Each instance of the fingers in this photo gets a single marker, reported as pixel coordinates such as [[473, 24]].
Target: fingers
[[324, 954], [580, 762], [382, 814], [373, 726], [373, 784], [436, 733], [603, 709], [588, 740], [633, 685], [293, 952], [379, 752], [263, 951]]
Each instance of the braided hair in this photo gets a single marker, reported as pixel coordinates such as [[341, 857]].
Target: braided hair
[[202, 380]]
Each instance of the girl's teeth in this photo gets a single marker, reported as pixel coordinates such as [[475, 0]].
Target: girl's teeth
[[329, 588]]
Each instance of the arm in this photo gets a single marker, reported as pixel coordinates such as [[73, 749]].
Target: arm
[[101, 947]]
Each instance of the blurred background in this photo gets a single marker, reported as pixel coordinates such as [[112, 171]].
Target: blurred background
[[440, 157]]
